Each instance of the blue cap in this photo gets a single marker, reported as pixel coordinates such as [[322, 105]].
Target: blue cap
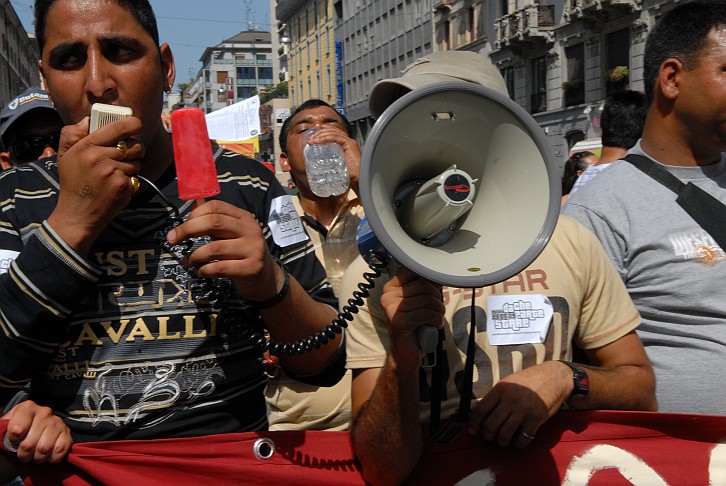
[[33, 98]]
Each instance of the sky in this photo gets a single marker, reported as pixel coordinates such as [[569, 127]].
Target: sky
[[190, 26]]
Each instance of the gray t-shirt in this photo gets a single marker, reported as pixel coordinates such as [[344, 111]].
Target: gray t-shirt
[[675, 274], [587, 176]]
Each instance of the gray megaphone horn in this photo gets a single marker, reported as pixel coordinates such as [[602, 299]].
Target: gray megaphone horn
[[459, 184]]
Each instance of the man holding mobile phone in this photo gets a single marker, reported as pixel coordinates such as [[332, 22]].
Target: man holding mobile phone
[[132, 313]]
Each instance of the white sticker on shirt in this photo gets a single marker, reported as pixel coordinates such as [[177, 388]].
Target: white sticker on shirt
[[284, 222], [6, 258], [518, 319]]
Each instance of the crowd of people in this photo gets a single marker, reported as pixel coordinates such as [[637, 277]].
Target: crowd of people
[[128, 313]]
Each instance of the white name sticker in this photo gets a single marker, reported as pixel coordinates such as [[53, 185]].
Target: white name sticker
[[518, 319], [6, 258], [284, 222]]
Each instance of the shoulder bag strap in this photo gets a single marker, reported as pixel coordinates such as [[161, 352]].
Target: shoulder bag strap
[[705, 209]]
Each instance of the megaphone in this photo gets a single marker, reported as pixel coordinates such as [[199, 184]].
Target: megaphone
[[459, 184]]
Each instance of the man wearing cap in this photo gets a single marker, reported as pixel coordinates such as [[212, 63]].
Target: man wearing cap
[[29, 128], [575, 301]]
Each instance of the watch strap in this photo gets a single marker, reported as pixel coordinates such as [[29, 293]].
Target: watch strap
[[581, 382]]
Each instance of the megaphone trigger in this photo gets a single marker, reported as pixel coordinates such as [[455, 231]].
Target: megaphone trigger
[[428, 339]]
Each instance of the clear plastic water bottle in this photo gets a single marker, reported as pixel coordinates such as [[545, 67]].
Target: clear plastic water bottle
[[326, 168]]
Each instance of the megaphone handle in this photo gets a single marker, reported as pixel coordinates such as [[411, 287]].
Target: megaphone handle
[[428, 336]]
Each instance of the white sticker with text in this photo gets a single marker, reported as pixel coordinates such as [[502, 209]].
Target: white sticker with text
[[284, 222], [518, 319], [6, 258]]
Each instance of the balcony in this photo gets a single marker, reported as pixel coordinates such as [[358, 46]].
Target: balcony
[[598, 9], [285, 9], [531, 24]]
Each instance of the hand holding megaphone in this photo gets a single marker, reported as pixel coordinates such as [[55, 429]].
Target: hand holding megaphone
[[414, 308]]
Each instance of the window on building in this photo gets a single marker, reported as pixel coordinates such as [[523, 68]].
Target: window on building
[[538, 100], [617, 74], [246, 72], [480, 14], [264, 75], [244, 92], [472, 24], [574, 86], [222, 76], [338, 7], [508, 76], [418, 11], [505, 7]]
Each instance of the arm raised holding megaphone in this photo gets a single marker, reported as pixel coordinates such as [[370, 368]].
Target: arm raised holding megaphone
[[414, 310], [410, 304]]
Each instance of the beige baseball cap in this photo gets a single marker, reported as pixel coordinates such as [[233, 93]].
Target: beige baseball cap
[[436, 67]]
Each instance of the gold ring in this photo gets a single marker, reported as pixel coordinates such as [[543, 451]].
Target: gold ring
[[135, 183], [527, 436], [121, 147]]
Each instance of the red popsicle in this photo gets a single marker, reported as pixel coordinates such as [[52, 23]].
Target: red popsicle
[[196, 171]]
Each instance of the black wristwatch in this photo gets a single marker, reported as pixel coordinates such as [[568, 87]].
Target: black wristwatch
[[580, 380]]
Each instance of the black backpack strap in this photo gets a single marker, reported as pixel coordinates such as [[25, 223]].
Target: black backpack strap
[[705, 209]]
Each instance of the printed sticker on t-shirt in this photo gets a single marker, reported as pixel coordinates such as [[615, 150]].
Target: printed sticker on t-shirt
[[6, 258], [518, 319], [284, 222]]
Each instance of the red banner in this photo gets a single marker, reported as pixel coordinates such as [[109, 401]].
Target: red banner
[[573, 448]]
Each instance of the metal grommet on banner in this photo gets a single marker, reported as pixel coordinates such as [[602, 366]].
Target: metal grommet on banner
[[264, 449]]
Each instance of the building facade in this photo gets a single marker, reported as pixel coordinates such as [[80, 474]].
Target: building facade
[[377, 39], [307, 35], [234, 70], [559, 58], [18, 55]]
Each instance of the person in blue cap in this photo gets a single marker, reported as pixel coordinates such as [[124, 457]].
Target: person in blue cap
[[29, 128]]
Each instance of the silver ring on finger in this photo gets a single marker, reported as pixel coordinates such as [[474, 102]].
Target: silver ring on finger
[[527, 436]]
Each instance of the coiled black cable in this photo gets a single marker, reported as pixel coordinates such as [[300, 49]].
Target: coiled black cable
[[329, 332], [206, 287]]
